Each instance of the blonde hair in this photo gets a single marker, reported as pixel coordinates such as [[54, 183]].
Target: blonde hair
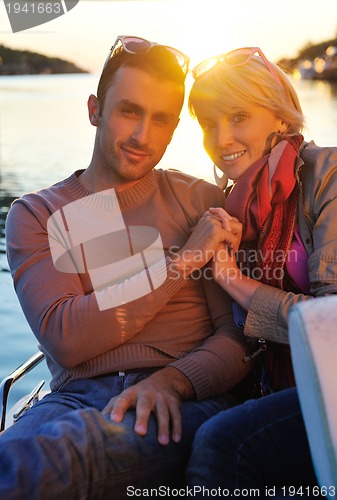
[[229, 87]]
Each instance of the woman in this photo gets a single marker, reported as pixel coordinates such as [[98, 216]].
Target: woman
[[284, 192]]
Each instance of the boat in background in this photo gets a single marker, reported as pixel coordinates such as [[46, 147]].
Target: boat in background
[[320, 68]]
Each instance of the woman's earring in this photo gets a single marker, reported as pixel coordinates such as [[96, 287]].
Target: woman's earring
[[221, 182]]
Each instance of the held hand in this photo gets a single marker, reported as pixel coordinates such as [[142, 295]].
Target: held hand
[[224, 266], [161, 393], [230, 224], [225, 270], [203, 242]]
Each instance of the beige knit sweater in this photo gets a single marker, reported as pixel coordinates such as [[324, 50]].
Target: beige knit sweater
[[185, 323]]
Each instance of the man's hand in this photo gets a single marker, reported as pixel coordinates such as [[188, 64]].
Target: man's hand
[[224, 267], [233, 227], [212, 230], [161, 393]]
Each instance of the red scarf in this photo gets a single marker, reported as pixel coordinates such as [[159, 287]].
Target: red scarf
[[265, 200]]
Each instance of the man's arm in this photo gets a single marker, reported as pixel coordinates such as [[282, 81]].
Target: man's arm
[[213, 368], [61, 307]]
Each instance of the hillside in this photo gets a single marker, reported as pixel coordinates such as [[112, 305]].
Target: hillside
[[319, 62], [24, 62]]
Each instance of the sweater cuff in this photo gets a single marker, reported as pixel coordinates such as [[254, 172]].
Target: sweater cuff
[[191, 369], [174, 280]]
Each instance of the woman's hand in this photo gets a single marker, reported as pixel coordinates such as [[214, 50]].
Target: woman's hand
[[203, 242], [224, 266], [231, 225]]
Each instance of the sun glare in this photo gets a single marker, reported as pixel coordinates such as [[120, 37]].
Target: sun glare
[[200, 31]]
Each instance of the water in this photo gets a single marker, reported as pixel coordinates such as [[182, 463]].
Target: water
[[45, 135]]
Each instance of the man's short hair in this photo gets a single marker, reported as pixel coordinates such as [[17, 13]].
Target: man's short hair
[[158, 62]]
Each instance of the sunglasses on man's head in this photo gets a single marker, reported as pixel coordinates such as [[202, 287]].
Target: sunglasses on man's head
[[235, 58], [137, 45]]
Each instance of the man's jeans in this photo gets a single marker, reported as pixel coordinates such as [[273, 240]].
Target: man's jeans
[[63, 448], [259, 445]]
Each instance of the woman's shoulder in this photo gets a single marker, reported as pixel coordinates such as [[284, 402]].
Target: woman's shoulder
[[318, 159], [318, 176]]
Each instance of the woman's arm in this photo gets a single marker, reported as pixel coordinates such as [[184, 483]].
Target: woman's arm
[[268, 307]]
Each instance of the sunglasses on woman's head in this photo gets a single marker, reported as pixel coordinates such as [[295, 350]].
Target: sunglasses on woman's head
[[235, 58], [137, 45]]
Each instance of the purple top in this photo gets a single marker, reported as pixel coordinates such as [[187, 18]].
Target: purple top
[[297, 263]]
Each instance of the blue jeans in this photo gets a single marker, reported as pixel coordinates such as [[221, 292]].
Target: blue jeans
[[257, 445], [64, 448]]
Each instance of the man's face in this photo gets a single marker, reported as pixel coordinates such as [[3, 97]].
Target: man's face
[[139, 117]]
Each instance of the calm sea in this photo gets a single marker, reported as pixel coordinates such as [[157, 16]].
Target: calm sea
[[45, 135]]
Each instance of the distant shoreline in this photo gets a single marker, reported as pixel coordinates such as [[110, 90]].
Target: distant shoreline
[[314, 62], [23, 62]]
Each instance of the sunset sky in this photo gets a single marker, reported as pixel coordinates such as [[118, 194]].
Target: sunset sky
[[199, 28]]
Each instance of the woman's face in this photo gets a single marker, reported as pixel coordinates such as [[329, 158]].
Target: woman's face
[[236, 139]]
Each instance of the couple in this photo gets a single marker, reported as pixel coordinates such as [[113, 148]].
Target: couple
[[141, 342]]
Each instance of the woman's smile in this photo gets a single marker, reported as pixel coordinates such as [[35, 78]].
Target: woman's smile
[[233, 156]]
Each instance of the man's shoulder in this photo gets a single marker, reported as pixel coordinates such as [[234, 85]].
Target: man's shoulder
[[51, 197], [187, 181], [193, 194]]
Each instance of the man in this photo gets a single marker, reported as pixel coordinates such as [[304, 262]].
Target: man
[[109, 268]]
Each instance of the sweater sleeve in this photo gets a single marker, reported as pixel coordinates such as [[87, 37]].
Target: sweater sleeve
[[218, 364], [66, 321]]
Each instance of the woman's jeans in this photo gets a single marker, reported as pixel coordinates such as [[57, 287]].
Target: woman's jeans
[[259, 445], [64, 448]]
